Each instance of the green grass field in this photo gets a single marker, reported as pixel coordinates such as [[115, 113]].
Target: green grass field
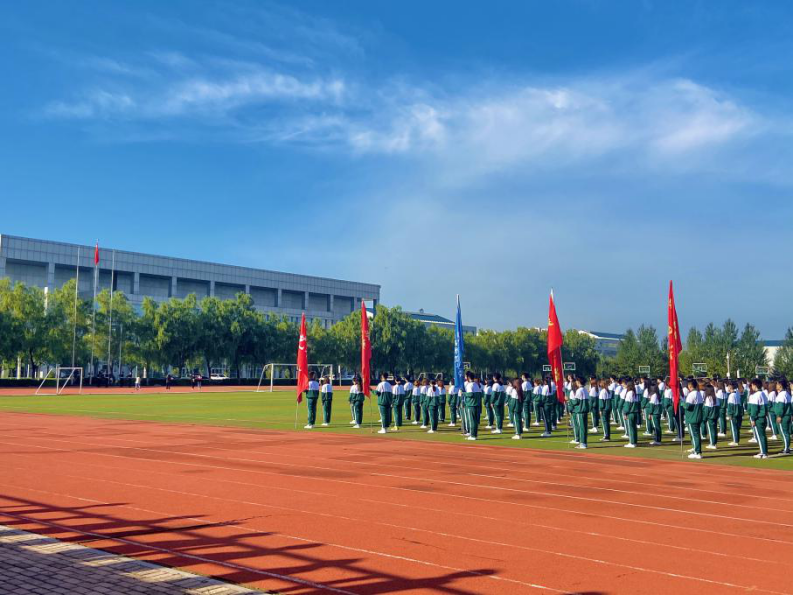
[[277, 411]]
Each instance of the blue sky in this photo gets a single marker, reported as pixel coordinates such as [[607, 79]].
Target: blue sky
[[491, 149]]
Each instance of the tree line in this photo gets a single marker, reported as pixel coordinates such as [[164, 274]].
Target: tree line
[[186, 333]]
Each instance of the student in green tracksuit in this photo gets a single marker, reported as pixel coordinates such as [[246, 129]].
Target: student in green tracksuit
[[595, 410], [527, 404], [722, 403], [431, 398], [407, 403], [452, 393], [669, 410], [771, 397], [498, 403], [782, 411], [578, 405], [756, 409], [357, 402], [515, 395], [398, 402], [442, 400], [327, 398], [605, 407], [711, 415], [550, 402], [693, 417], [384, 392], [312, 394], [423, 403], [734, 411], [654, 410], [631, 412], [536, 395], [487, 402], [472, 400]]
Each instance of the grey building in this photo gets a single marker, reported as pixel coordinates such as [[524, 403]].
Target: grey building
[[44, 263], [436, 320]]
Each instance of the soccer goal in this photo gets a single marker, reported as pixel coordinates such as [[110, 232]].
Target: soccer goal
[[644, 370], [546, 368], [569, 367], [761, 371], [63, 377], [279, 370], [699, 368]]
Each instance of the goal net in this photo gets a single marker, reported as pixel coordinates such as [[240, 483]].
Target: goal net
[[61, 378], [272, 372]]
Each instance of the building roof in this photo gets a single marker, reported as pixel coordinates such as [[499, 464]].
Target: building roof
[[421, 315], [600, 335]]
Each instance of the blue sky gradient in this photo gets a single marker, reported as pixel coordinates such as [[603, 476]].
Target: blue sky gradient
[[489, 149]]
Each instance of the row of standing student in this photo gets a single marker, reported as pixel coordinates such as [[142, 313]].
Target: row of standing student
[[707, 406]]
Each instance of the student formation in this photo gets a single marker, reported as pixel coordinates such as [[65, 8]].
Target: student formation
[[709, 409]]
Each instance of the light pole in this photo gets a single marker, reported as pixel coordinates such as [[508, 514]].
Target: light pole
[[728, 358]]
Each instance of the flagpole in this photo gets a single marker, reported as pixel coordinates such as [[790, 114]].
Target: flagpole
[[74, 321], [110, 308], [93, 312], [296, 413]]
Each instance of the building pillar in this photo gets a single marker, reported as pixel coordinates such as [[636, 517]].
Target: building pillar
[[247, 289], [212, 288], [331, 303], [305, 300], [278, 298], [51, 275], [2, 266], [136, 283], [173, 287]]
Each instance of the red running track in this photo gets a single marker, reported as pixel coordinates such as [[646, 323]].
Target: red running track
[[332, 513]]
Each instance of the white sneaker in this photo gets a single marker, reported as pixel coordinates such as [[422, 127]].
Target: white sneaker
[[488, 427], [752, 441], [382, 431], [582, 446], [451, 424], [711, 446], [654, 443], [308, 427], [536, 423], [431, 431], [620, 428], [721, 434], [695, 455], [773, 437], [516, 437], [496, 431], [415, 423], [395, 429], [676, 439], [605, 440], [691, 450], [594, 430], [545, 435], [356, 426], [758, 456], [471, 438], [764, 456], [510, 425], [352, 422], [423, 426], [629, 445], [669, 432], [325, 424], [380, 420], [646, 434], [626, 436], [733, 444]]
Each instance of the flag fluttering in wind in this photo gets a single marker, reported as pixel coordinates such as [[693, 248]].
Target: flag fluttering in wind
[[673, 346], [366, 351], [458, 351], [96, 253], [303, 360], [554, 348]]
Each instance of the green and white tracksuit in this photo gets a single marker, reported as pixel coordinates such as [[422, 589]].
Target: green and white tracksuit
[[605, 407], [312, 394], [654, 410], [550, 402], [416, 400], [771, 397], [782, 411], [722, 403], [711, 416], [442, 403], [472, 400], [536, 397], [669, 410], [327, 398], [735, 412], [407, 403], [579, 404], [385, 399], [631, 414], [514, 410], [453, 404], [527, 405], [595, 410], [757, 410], [487, 401], [431, 398], [357, 403], [693, 417], [398, 404], [498, 405]]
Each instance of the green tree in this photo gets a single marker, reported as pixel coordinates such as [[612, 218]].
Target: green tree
[[580, 348], [693, 352], [649, 351], [783, 357], [750, 351], [628, 355], [177, 324]]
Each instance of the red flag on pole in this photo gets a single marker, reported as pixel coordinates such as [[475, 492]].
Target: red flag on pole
[[554, 348], [673, 346], [96, 254], [303, 360], [366, 350]]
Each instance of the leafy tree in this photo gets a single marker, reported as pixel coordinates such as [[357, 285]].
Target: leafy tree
[[580, 348], [628, 354], [750, 351], [783, 357], [177, 324]]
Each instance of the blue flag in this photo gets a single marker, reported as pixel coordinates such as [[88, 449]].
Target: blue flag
[[458, 351]]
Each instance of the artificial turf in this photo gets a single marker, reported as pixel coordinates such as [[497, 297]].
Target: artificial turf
[[277, 411]]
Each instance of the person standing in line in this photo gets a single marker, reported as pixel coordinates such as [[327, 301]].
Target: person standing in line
[[592, 399], [669, 411], [612, 387], [693, 416], [515, 397], [536, 396], [442, 400], [579, 405], [526, 404], [756, 408], [711, 415], [357, 402], [409, 393], [605, 406], [655, 408], [498, 403], [398, 403], [312, 394], [782, 410], [487, 394], [643, 393], [734, 412], [771, 396], [722, 404], [384, 392], [453, 404], [431, 397], [137, 382], [550, 406], [473, 403], [423, 399], [631, 412], [416, 401], [327, 399]]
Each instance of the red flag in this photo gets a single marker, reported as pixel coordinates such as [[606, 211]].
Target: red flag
[[554, 348], [366, 350], [303, 360], [96, 254], [673, 346]]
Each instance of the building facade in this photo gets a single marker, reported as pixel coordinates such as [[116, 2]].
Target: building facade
[[50, 264]]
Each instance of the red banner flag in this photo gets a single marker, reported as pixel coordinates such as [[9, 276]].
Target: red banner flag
[[303, 360], [673, 346], [554, 348], [366, 351], [96, 254]]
